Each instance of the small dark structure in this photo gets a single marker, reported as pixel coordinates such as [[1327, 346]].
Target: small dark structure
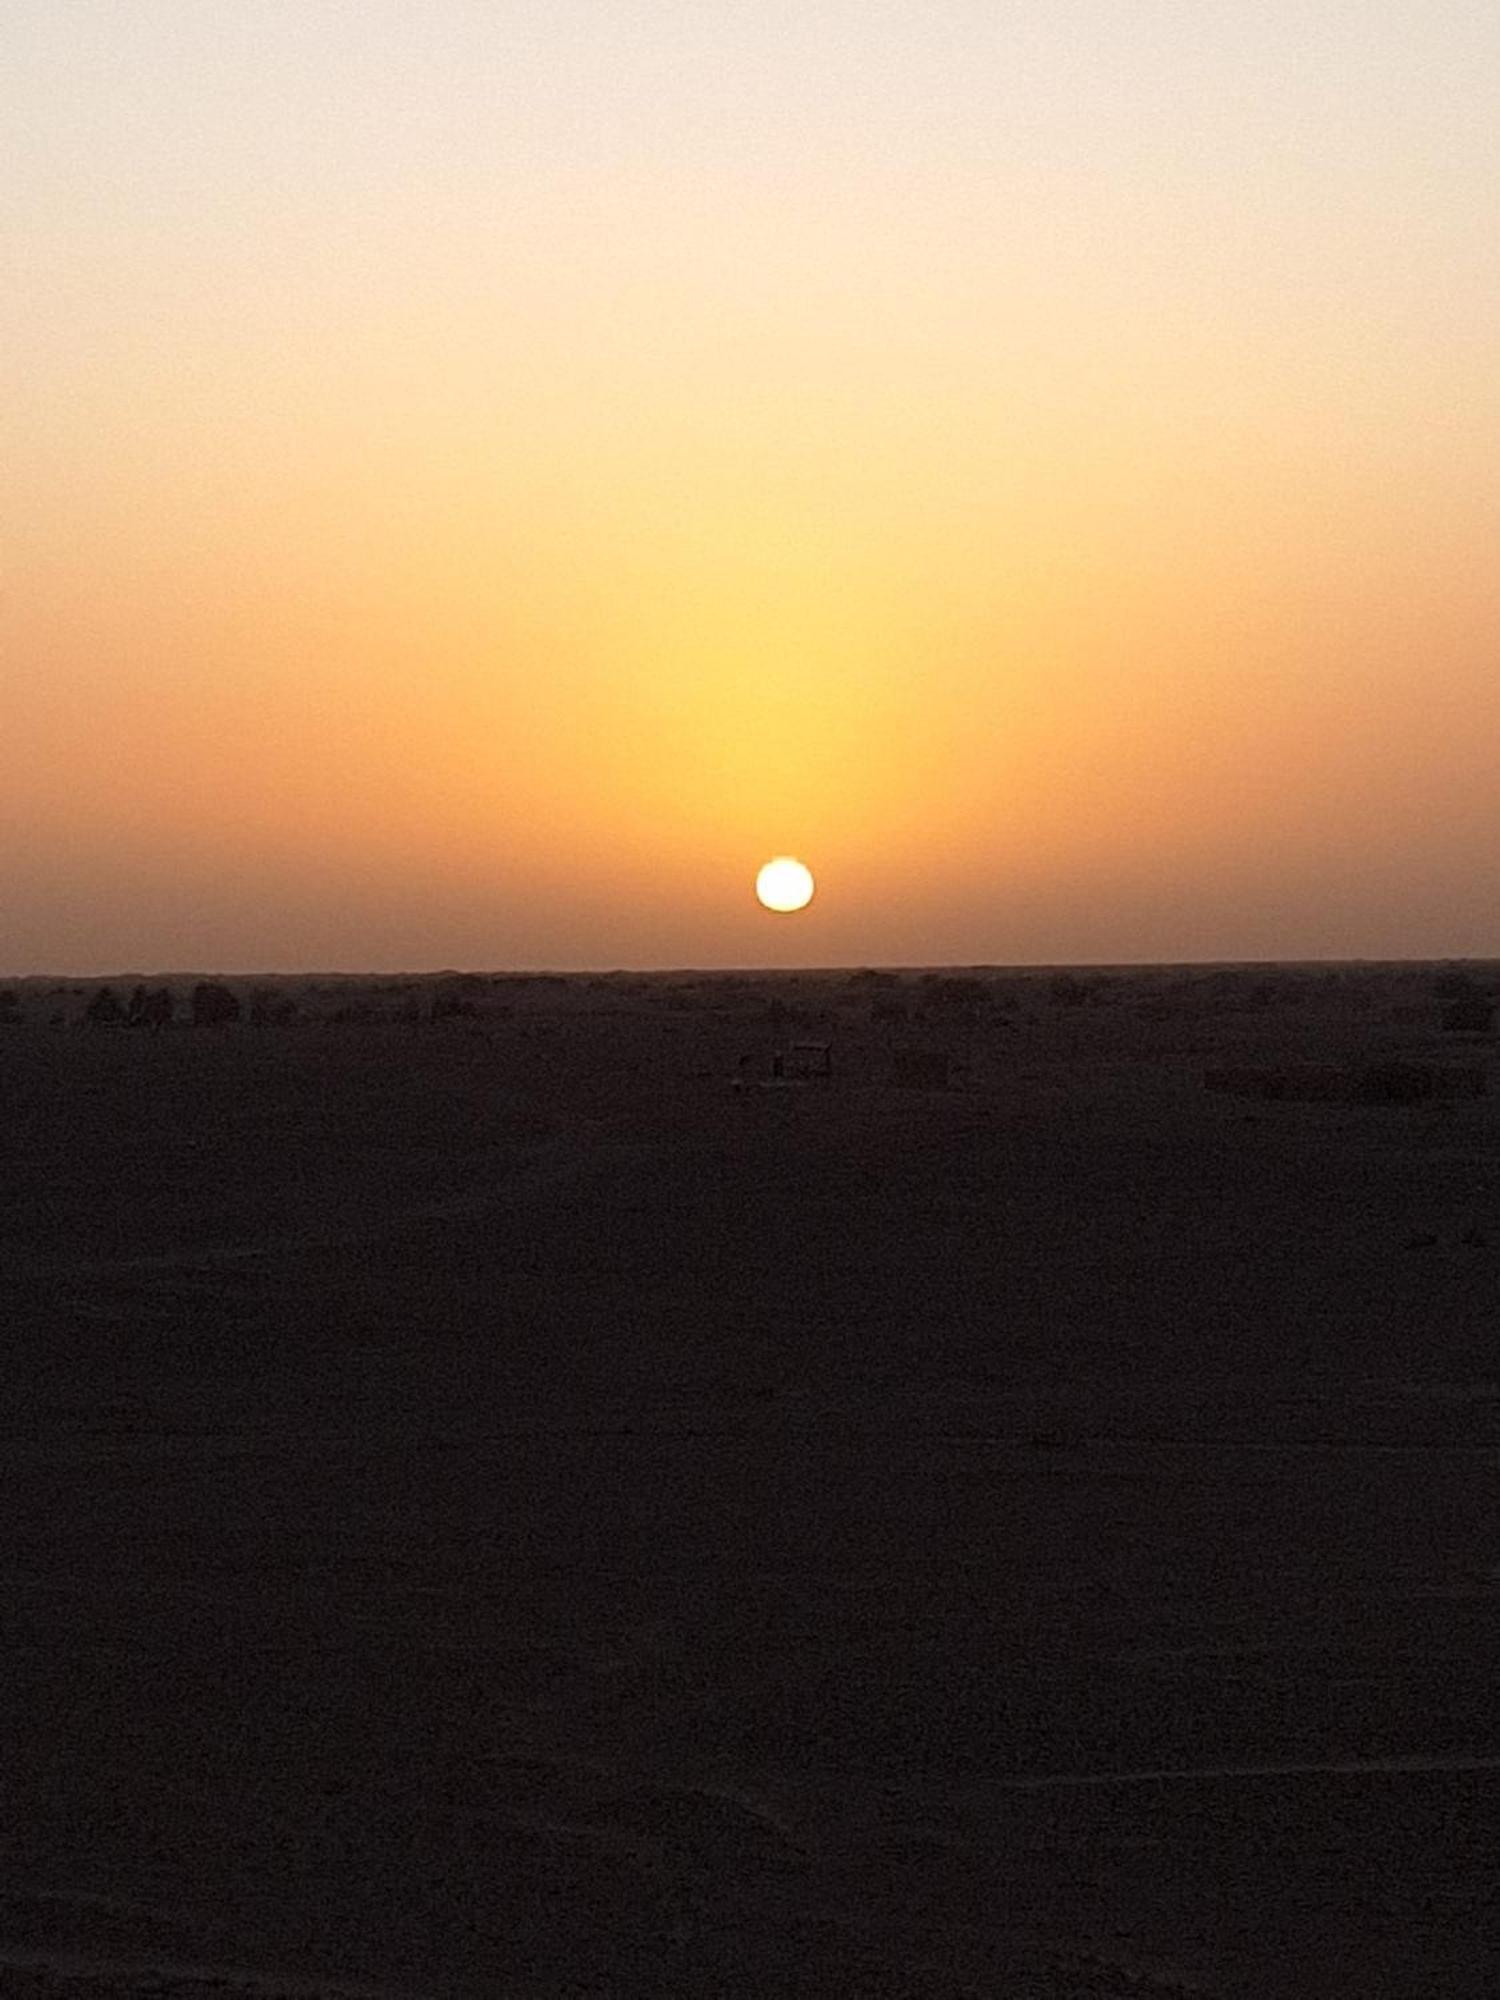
[[213, 1005], [1384, 1082], [780, 1068], [1358, 1083], [810, 1062]]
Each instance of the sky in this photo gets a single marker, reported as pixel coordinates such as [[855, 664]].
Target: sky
[[478, 477]]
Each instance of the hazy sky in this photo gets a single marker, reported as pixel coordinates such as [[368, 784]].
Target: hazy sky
[[481, 475]]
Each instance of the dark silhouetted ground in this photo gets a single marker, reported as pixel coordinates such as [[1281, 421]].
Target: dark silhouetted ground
[[490, 1508]]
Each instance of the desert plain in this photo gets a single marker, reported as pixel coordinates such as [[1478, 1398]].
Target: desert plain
[[531, 1502]]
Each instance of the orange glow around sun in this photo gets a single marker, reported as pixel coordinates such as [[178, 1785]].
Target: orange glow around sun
[[453, 539]]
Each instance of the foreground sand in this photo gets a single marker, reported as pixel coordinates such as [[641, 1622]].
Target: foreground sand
[[487, 1510]]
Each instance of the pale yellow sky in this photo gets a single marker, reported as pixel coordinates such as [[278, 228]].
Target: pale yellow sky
[[481, 478]]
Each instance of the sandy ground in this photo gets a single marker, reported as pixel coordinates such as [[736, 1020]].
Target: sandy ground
[[486, 1509]]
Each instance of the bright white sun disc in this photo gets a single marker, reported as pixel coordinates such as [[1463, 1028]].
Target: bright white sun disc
[[784, 885]]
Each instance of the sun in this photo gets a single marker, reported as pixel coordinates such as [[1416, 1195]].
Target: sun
[[784, 885]]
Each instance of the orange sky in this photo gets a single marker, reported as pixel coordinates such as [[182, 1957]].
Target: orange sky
[[480, 479]]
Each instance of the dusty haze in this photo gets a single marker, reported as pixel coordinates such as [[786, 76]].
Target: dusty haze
[[482, 479]]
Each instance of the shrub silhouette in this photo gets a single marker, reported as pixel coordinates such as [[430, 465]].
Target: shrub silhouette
[[1066, 989], [213, 1004], [104, 1010], [1454, 986], [152, 1009], [451, 1001], [271, 1010], [954, 989]]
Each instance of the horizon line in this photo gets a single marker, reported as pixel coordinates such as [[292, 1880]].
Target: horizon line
[[756, 971]]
